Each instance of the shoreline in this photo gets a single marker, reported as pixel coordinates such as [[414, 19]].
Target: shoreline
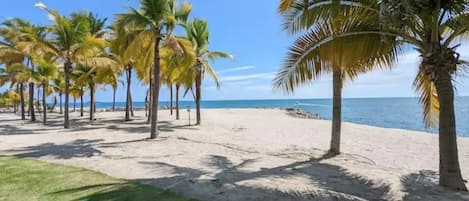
[[292, 111]]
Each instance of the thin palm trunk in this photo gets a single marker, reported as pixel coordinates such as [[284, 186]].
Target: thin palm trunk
[[81, 102], [450, 172], [31, 102], [171, 99], [114, 100], [92, 101], [15, 104], [146, 102], [67, 69], [38, 100], [177, 101], [128, 99], [131, 107], [156, 88], [22, 101], [60, 102], [336, 111], [44, 105], [198, 93], [74, 104]]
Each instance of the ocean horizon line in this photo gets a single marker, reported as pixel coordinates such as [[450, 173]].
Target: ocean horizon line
[[280, 99]]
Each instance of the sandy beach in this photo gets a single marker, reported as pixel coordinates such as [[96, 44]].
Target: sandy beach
[[243, 155]]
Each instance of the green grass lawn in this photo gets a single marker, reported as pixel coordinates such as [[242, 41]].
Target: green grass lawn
[[27, 179]]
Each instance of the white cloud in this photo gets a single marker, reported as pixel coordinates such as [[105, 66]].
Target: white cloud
[[269, 75], [236, 69]]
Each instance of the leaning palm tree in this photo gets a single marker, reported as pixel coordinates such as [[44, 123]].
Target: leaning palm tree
[[433, 28], [155, 19], [198, 32], [74, 44]]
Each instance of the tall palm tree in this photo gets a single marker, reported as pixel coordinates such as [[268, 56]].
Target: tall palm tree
[[433, 28], [198, 32], [313, 54], [74, 44], [156, 19], [122, 38]]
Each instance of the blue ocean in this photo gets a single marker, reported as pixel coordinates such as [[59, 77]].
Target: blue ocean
[[403, 113]]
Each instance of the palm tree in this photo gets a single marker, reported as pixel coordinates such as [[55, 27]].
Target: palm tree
[[58, 86], [152, 18], [433, 28], [92, 76], [46, 71], [313, 54], [122, 38], [73, 43], [16, 34], [198, 33], [15, 73]]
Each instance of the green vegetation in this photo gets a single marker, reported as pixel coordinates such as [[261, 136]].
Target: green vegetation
[[27, 179]]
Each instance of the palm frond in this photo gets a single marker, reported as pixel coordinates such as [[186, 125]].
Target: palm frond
[[428, 98]]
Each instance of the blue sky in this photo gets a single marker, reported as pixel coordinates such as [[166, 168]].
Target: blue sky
[[251, 31]]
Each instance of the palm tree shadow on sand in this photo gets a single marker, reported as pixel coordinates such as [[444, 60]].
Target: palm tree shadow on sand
[[232, 182], [424, 186], [229, 182]]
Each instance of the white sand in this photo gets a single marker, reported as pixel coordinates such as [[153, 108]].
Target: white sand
[[243, 155]]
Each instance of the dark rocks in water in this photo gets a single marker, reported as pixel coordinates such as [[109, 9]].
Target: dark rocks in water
[[298, 113]]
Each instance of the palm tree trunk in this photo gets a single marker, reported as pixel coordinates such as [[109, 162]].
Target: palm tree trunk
[[450, 172], [60, 102], [81, 102], [171, 99], [150, 96], [128, 100], [114, 100], [22, 101], [177, 101], [15, 103], [91, 101], [337, 83], [198, 93], [146, 102], [131, 107], [156, 88], [44, 105], [74, 104], [67, 70], [31, 102]]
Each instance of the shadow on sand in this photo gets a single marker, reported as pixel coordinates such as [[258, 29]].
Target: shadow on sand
[[77, 149], [230, 182], [55, 124]]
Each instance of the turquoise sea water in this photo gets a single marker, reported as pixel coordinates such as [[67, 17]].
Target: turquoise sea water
[[403, 113]]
